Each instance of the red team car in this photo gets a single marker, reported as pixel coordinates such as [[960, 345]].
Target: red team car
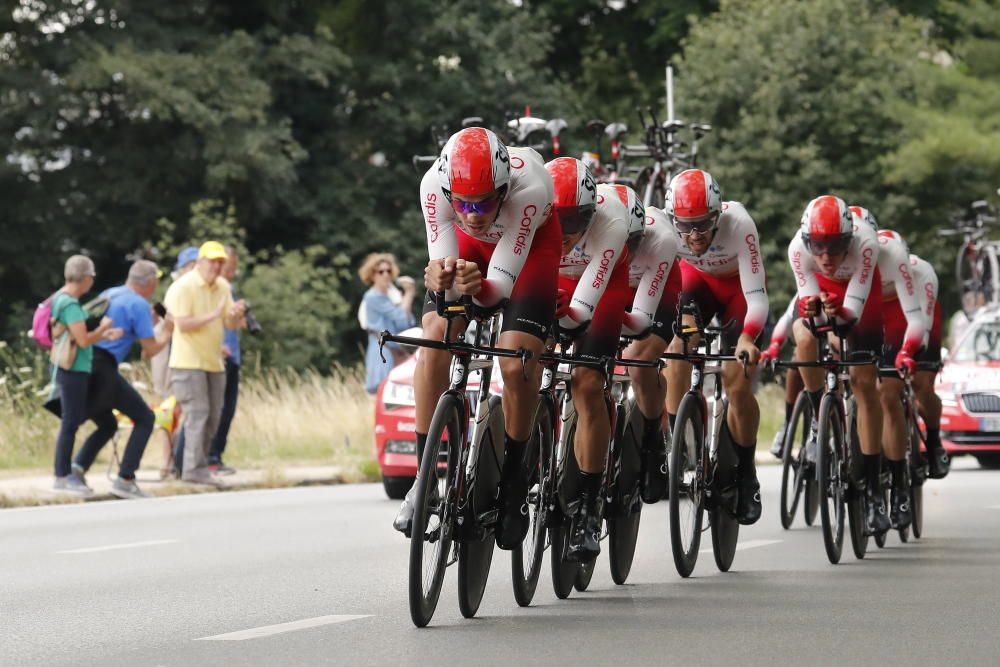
[[395, 429], [969, 387]]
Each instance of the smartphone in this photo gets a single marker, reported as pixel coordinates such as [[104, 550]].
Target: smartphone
[[160, 309]]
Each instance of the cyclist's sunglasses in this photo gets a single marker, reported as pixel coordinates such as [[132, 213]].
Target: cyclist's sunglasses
[[703, 226], [827, 244], [575, 219], [483, 207]]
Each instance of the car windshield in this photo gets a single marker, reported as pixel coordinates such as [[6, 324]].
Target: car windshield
[[981, 344]]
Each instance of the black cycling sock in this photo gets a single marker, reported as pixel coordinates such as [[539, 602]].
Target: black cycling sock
[[421, 443], [873, 467], [788, 411], [745, 456], [933, 438], [898, 470], [590, 486], [513, 456], [650, 427], [814, 397]]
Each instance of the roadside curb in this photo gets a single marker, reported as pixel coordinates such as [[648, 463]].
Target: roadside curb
[[36, 492]]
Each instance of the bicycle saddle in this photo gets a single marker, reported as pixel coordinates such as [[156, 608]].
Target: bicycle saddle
[[596, 126]]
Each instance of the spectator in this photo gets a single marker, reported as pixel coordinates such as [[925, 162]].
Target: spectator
[[201, 304], [160, 363], [380, 270], [70, 328], [232, 360], [130, 309]]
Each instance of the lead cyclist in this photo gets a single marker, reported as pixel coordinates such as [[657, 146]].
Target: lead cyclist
[[490, 236]]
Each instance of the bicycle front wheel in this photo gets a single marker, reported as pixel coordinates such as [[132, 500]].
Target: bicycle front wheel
[[686, 484], [793, 478], [431, 534], [831, 477]]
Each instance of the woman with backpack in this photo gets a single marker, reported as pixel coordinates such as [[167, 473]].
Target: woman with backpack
[[72, 360]]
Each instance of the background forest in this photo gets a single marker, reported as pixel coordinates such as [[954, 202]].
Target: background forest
[[133, 128]]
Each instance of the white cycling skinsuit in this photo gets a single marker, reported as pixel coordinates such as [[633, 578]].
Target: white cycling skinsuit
[[525, 208], [649, 274]]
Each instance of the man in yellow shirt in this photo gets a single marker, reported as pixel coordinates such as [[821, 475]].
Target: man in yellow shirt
[[201, 305]]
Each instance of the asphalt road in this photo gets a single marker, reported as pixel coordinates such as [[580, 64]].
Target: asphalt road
[[157, 582]]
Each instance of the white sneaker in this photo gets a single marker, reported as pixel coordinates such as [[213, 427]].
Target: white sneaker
[[127, 489], [778, 446], [72, 485]]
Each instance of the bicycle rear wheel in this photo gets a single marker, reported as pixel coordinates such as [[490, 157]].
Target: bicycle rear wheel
[[526, 560], [793, 480], [918, 474], [831, 474], [431, 534], [686, 492], [584, 574], [563, 570], [810, 500], [626, 509], [475, 550]]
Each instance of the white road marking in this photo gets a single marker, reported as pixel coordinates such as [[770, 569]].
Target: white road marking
[[749, 544], [115, 547], [281, 628]]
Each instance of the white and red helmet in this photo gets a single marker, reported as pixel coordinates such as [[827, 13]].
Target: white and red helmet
[[474, 162], [575, 193], [694, 201], [827, 226], [889, 234], [864, 215], [636, 217]]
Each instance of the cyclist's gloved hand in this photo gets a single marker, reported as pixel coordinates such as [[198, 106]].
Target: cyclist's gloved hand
[[809, 306], [832, 303], [771, 353], [563, 298], [905, 362]]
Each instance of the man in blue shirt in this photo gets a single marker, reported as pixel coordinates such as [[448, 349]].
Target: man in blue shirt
[[231, 354], [130, 310]]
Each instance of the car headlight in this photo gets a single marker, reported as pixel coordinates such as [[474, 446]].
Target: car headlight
[[397, 395], [948, 399]]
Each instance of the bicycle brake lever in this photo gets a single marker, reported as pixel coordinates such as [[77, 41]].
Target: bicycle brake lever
[[381, 346], [524, 355]]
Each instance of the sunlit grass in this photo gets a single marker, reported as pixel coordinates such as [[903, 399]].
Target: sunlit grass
[[283, 418]]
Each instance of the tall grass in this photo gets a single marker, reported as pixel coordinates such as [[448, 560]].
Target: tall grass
[[283, 418]]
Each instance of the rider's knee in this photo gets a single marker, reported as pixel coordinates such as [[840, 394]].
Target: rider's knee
[[587, 383], [803, 337], [864, 382], [514, 373]]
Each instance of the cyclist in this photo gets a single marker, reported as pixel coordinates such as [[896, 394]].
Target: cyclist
[[489, 236], [904, 332], [722, 273], [835, 264], [793, 380], [601, 228], [923, 382], [655, 283]]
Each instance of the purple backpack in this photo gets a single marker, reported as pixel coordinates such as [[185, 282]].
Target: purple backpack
[[41, 323]]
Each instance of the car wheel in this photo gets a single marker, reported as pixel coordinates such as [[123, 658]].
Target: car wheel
[[989, 461], [396, 487]]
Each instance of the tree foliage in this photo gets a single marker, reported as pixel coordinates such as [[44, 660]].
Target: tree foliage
[[131, 127]]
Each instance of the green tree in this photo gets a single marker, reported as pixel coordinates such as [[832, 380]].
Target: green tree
[[802, 96]]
